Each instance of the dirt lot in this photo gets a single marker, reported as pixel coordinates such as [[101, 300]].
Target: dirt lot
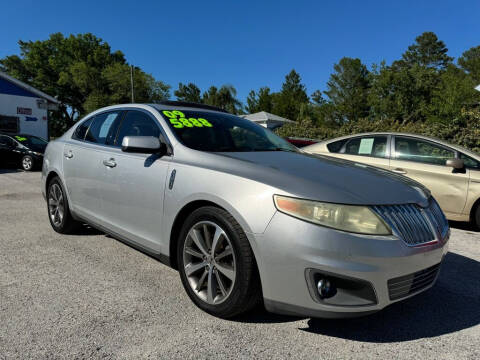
[[91, 296]]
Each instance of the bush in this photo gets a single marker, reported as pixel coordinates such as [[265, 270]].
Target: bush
[[463, 131]]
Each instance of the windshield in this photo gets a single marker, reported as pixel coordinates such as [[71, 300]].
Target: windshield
[[217, 132], [29, 140]]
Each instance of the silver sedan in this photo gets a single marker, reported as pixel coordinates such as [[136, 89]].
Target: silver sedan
[[244, 216]]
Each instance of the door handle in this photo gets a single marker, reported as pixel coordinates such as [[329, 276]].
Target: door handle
[[68, 154], [110, 163], [399, 171]]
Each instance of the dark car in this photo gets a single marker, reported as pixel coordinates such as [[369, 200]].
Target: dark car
[[24, 151]]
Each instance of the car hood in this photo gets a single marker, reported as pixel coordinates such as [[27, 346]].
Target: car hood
[[322, 178]]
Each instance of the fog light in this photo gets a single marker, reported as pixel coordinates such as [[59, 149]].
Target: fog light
[[325, 288]]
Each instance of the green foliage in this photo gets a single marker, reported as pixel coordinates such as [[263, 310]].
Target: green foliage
[[293, 94], [224, 98], [83, 73], [189, 93], [263, 101], [427, 51], [347, 89], [470, 62]]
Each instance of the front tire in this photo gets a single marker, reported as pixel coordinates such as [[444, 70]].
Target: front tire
[[216, 263], [58, 208], [27, 163]]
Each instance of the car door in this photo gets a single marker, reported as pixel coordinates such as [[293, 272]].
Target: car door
[[370, 149], [424, 161], [83, 163], [133, 192], [7, 153]]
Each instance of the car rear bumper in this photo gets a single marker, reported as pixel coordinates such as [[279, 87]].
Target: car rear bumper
[[372, 272]]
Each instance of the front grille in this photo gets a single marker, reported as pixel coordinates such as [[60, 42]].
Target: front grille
[[409, 284], [413, 224]]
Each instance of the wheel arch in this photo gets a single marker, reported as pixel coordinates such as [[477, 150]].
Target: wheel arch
[[473, 209], [186, 210]]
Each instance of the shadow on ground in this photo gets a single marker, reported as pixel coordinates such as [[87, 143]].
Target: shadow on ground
[[9, 170], [462, 226], [451, 305]]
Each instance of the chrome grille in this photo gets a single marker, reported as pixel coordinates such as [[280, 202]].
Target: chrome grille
[[413, 224], [409, 284]]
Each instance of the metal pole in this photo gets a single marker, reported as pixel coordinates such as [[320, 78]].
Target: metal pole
[[131, 82]]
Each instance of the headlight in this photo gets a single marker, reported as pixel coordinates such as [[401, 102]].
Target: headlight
[[37, 153], [351, 218]]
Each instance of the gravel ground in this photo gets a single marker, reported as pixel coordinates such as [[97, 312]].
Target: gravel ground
[[91, 296]]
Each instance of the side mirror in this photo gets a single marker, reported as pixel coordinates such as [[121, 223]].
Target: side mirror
[[455, 163], [143, 144]]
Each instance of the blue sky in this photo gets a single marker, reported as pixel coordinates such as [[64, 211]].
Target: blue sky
[[248, 44]]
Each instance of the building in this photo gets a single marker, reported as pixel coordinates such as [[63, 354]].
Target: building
[[267, 120], [24, 109]]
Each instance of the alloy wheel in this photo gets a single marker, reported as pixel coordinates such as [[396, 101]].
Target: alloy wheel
[[56, 204], [27, 163], [209, 262]]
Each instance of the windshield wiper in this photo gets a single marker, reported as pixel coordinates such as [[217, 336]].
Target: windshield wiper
[[276, 149]]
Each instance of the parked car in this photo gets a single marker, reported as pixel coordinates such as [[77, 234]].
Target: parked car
[[301, 142], [23, 151], [451, 172], [244, 215]]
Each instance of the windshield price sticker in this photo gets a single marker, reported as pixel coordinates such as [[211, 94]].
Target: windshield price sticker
[[178, 120], [20, 138]]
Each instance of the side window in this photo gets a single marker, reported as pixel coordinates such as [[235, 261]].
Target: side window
[[375, 146], [6, 142], [137, 123], [411, 149], [336, 146], [103, 128], [81, 130], [469, 162]]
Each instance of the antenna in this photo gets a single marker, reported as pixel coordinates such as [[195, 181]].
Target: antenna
[[131, 82]]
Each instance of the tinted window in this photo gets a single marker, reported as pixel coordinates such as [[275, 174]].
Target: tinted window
[[211, 131], [137, 123], [421, 151], [336, 146], [6, 142], [469, 162], [375, 146], [102, 129], [81, 130]]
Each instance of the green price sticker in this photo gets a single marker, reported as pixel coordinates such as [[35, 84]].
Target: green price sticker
[[178, 120], [20, 138]]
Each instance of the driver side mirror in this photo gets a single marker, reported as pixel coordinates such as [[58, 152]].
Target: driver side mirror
[[457, 164], [144, 145]]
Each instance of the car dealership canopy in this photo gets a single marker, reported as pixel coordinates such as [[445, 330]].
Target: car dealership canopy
[[270, 121]]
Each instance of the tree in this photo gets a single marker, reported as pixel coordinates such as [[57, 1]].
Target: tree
[[224, 98], [261, 101], [293, 94], [348, 89], [427, 51], [189, 93], [82, 72], [470, 62]]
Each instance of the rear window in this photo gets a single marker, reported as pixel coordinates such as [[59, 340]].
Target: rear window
[[336, 146], [81, 130]]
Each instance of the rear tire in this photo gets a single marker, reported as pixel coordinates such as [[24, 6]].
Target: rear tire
[[216, 263], [58, 208], [476, 218], [27, 163]]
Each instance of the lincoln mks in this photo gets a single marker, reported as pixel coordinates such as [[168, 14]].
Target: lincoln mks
[[245, 217]]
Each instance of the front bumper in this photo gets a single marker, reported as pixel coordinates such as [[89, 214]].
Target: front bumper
[[290, 249]]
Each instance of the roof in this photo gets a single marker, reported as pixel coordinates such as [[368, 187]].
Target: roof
[[265, 116], [439, 141], [28, 88], [186, 104]]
